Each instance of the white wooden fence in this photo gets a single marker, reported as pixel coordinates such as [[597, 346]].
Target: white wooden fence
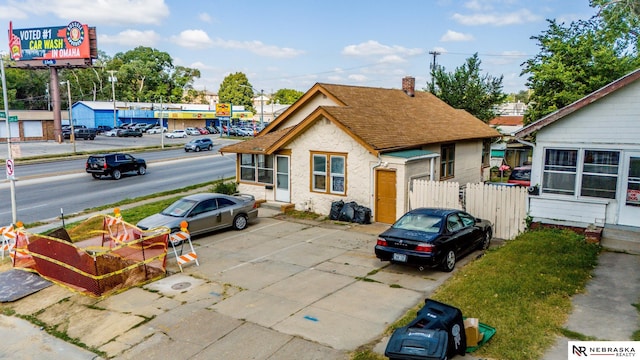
[[504, 206]]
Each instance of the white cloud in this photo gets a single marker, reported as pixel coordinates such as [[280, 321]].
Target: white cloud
[[451, 35], [497, 19], [131, 38], [200, 65], [259, 48], [192, 39], [11, 13], [372, 47], [392, 59], [112, 12], [205, 17], [358, 78]]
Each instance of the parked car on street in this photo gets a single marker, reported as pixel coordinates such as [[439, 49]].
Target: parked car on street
[[203, 131], [192, 131], [103, 128], [430, 237], [521, 176], [114, 165], [205, 212], [198, 144], [176, 134], [111, 133], [129, 132], [156, 130], [212, 129], [85, 133]]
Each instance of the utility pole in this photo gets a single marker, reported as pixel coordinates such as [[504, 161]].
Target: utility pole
[[113, 80], [433, 66]]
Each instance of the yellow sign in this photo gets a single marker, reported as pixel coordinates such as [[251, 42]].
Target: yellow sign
[[184, 115], [223, 109], [243, 115]]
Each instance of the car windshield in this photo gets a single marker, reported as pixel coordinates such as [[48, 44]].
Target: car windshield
[[179, 208], [422, 222]]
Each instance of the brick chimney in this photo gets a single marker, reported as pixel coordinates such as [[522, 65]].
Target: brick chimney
[[409, 85]]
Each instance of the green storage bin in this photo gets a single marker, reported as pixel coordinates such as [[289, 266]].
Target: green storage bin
[[487, 333]]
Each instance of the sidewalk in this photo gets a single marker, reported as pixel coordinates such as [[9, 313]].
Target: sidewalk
[[605, 311]]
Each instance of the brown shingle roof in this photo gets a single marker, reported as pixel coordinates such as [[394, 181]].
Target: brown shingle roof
[[507, 120], [388, 119]]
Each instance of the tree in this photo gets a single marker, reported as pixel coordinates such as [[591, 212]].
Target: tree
[[236, 89], [621, 18], [286, 96], [574, 61], [466, 89], [26, 89]]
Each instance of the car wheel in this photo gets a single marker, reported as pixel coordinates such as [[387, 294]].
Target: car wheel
[[96, 176], [210, 147], [486, 240], [116, 174], [142, 170], [240, 222], [449, 261], [186, 150], [197, 148]]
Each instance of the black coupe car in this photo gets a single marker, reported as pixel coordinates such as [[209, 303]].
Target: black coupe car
[[429, 237]]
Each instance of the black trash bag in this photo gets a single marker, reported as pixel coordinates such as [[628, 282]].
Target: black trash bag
[[362, 215], [348, 212], [336, 208]]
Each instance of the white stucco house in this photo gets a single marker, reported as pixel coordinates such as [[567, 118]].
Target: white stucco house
[[586, 159], [361, 144]]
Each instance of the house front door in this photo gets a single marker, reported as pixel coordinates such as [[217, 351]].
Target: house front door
[[385, 196], [630, 199], [282, 179]]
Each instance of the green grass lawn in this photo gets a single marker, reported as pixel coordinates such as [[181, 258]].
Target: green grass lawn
[[523, 289]]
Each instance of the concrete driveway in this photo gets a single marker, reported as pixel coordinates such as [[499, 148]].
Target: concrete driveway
[[280, 289]]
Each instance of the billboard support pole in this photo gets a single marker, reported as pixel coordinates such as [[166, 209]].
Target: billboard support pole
[[12, 182], [57, 106]]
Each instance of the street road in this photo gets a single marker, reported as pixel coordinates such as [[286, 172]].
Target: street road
[[42, 190]]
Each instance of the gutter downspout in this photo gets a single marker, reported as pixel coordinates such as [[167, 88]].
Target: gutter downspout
[[373, 185]]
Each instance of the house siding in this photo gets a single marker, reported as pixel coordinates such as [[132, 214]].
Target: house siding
[[327, 137], [468, 162], [309, 107], [607, 124]]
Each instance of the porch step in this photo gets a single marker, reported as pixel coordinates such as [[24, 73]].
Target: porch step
[[282, 207], [621, 238]]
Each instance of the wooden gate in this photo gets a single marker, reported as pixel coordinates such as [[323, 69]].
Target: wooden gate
[[504, 206]]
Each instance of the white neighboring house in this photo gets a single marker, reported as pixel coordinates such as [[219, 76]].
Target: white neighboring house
[[586, 160]]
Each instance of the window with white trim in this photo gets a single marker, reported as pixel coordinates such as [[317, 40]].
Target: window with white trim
[[256, 168], [328, 173], [560, 170], [600, 173], [587, 172]]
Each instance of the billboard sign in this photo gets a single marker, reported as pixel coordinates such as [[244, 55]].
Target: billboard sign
[[50, 43]]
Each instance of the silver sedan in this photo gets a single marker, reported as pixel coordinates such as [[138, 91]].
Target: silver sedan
[[205, 212]]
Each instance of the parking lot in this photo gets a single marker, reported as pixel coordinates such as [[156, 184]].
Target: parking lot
[[290, 289]]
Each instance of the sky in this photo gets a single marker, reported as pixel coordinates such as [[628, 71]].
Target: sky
[[292, 44]]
